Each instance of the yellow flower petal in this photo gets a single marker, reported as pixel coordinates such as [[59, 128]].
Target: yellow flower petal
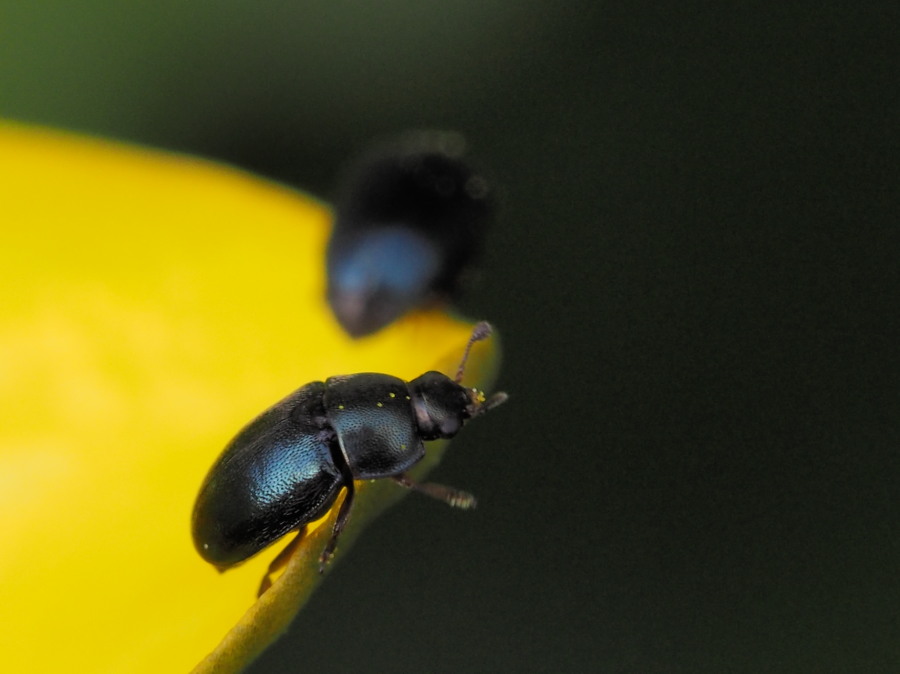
[[153, 304]]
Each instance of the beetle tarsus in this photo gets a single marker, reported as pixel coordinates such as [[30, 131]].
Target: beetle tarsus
[[280, 561], [452, 497]]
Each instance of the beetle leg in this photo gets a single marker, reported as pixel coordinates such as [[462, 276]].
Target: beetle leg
[[449, 495], [342, 517], [280, 562]]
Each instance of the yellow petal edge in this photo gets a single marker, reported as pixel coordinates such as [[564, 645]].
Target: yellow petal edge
[[151, 305]]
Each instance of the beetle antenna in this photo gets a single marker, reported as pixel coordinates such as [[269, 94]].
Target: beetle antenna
[[481, 331], [498, 398]]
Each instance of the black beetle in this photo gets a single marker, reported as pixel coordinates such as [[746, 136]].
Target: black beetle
[[409, 223], [287, 466]]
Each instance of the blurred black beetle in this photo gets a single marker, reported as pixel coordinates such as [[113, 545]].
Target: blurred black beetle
[[409, 224]]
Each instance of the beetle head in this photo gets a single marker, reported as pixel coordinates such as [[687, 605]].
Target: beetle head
[[442, 404]]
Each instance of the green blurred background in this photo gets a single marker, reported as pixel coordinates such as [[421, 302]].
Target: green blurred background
[[695, 272]]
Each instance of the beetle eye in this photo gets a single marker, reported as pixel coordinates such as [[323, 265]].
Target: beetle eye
[[450, 426]]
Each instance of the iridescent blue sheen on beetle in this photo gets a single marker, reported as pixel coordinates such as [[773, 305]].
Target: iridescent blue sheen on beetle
[[409, 222], [287, 466]]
